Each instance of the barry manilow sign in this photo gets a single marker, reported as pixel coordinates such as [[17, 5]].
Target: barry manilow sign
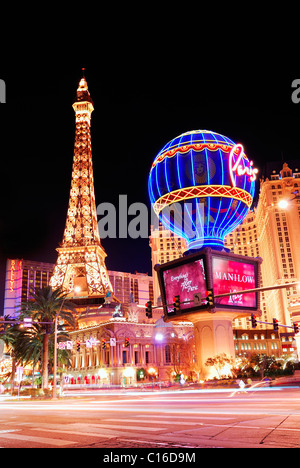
[[208, 269], [234, 276]]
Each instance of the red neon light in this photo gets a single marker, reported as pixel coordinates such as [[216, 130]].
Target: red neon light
[[12, 275], [236, 167]]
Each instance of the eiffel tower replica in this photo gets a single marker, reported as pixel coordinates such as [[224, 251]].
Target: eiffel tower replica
[[80, 267]]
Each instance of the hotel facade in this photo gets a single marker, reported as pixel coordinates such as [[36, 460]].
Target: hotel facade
[[272, 232]]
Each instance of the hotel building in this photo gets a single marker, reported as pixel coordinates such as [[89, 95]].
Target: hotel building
[[271, 231], [23, 276]]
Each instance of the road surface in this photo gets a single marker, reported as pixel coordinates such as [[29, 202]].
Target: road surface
[[266, 419]]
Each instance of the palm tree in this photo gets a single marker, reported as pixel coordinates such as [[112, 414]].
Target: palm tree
[[29, 346], [9, 339], [47, 304]]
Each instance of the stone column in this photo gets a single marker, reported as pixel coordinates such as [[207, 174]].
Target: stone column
[[213, 336]]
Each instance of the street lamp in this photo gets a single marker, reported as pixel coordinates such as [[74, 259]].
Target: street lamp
[[55, 352]]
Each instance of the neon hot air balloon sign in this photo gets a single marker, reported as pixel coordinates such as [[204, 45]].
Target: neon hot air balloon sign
[[206, 180]]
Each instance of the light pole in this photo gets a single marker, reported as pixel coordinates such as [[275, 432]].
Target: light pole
[[55, 353]]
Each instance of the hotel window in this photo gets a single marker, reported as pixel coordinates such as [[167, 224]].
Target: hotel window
[[44, 279], [24, 285], [126, 289], [38, 278], [168, 354], [151, 292], [124, 357]]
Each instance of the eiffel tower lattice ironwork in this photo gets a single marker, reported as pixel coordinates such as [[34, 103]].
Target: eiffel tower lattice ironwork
[[80, 266]]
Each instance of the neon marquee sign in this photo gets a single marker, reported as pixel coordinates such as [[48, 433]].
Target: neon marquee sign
[[12, 275], [237, 167], [207, 177]]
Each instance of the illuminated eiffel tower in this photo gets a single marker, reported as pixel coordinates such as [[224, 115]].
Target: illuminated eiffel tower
[[80, 267]]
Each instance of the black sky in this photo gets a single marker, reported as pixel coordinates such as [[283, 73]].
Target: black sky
[[142, 100]]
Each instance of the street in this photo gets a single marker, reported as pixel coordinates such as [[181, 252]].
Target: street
[[184, 419]]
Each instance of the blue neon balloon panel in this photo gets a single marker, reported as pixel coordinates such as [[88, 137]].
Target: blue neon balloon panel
[[201, 185]]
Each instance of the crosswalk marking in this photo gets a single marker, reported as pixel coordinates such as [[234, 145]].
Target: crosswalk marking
[[133, 428], [167, 416], [157, 421], [38, 440], [107, 428], [77, 433]]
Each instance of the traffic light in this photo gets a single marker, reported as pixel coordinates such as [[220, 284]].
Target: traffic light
[[149, 309], [176, 304], [126, 342], [78, 346], [275, 324], [210, 298], [296, 328], [103, 343], [253, 321], [2, 325]]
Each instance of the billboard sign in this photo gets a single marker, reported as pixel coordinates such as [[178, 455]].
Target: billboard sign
[[184, 280], [232, 277], [195, 274]]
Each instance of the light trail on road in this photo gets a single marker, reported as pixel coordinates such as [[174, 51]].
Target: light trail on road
[[248, 404], [215, 419]]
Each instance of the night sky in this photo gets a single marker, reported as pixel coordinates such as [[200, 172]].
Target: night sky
[[141, 101]]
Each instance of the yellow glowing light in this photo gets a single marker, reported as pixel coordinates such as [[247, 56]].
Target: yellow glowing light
[[283, 204], [129, 372], [102, 373]]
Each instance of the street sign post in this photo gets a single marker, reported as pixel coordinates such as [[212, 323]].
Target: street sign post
[[19, 374]]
